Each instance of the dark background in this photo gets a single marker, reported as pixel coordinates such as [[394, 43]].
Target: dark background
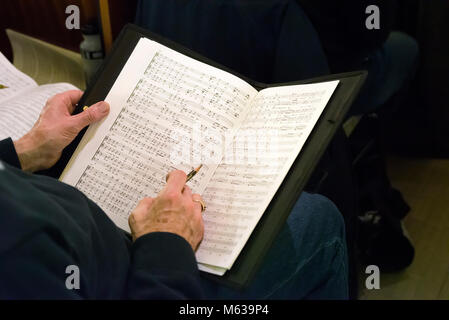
[[422, 125], [45, 19]]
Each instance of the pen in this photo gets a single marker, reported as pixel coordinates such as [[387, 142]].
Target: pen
[[193, 173], [3, 86]]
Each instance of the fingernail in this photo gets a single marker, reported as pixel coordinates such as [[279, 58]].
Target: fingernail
[[103, 107]]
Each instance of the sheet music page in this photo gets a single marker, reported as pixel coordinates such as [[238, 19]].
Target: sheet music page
[[19, 113], [13, 79], [253, 168], [168, 111]]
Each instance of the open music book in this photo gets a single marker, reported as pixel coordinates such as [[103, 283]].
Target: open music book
[[22, 100], [169, 111]]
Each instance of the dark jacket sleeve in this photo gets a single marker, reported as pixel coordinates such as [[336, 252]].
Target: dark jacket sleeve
[[163, 266], [46, 226], [32, 262], [30, 271], [8, 153]]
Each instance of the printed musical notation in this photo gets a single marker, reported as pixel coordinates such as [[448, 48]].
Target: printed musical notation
[[179, 113], [12, 81], [156, 132], [19, 114], [266, 146]]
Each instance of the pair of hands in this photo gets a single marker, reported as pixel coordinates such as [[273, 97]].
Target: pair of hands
[[174, 210]]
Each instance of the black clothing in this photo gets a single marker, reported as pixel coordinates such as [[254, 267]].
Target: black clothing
[[270, 41], [47, 225], [341, 26]]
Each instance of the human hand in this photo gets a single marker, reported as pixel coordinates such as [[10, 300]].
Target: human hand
[[42, 146], [173, 210]]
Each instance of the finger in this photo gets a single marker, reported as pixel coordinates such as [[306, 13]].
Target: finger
[[71, 98], [187, 192], [196, 198], [176, 181], [92, 114], [142, 208], [168, 175]]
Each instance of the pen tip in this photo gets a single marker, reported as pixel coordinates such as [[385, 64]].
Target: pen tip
[[199, 167]]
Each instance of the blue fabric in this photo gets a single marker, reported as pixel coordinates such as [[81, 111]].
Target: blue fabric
[[389, 69], [308, 260], [268, 41]]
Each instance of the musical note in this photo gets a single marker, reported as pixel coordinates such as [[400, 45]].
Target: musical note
[[261, 154], [178, 113], [171, 108], [19, 114]]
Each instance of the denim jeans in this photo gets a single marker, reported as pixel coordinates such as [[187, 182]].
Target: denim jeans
[[389, 69], [308, 259]]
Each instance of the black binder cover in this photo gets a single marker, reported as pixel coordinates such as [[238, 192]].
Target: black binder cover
[[282, 203]]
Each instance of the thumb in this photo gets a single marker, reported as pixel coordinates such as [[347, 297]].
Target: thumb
[[92, 114]]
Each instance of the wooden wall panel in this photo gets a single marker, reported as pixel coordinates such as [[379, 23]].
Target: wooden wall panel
[[45, 20], [120, 13]]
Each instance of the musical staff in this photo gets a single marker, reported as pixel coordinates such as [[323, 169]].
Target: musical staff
[[19, 114], [239, 191], [177, 113], [159, 118]]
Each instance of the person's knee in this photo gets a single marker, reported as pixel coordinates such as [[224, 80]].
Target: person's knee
[[318, 232], [405, 48], [319, 216], [330, 218], [407, 42]]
